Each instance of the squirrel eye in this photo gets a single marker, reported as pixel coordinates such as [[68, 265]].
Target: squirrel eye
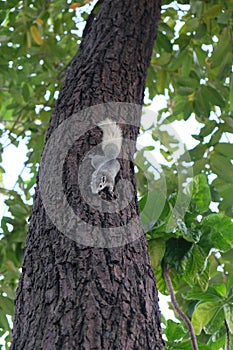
[[103, 179]]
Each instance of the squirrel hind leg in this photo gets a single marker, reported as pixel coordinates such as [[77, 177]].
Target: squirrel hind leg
[[111, 151]]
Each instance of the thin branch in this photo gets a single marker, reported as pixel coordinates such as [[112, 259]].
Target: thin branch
[[16, 182], [178, 309], [5, 190], [16, 139], [91, 18], [228, 334]]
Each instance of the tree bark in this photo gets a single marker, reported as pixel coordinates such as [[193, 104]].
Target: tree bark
[[71, 295]]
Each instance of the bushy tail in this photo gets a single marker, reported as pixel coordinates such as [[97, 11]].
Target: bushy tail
[[112, 135]]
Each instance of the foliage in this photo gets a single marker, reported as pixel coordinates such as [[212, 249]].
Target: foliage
[[192, 67], [38, 40]]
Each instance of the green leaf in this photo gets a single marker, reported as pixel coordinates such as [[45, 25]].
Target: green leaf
[[221, 166], [225, 190], [225, 17], [217, 232], [152, 204], [200, 31], [183, 40], [3, 321], [150, 81], [164, 42], [201, 192], [184, 90], [179, 108], [156, 250], [203, 314], [210, 295], [212, 11], [164, 27], [188, 109], [191, 25], [10, 291], [199, 166], [12, 270], [225, 149], [198, 152], [213, 96], [222, 48], [160, 282], [162, 81], [187, 82], [174, 331], [162, 60], [194, 266], [215, 137], [177, 60], [197, 8], [187, 65], [201, 104], [25, 92], [208, 128], [214, 325], [176, 250], [221, 289], [7, 305], [203, 276]]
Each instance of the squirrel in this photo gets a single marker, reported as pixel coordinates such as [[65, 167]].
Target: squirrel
[[107, 166]]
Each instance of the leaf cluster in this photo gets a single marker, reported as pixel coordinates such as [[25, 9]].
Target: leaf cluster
[[191, 67], [38, 39]]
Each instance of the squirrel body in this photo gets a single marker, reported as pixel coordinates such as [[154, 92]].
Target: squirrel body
[[107, 166]]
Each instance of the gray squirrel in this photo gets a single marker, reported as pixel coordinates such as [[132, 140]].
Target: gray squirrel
[[107, 166]]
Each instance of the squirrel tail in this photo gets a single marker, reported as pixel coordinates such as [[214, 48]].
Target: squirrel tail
[[112, 135]]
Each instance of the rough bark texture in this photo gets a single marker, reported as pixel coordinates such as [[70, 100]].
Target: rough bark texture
[[77, 297]]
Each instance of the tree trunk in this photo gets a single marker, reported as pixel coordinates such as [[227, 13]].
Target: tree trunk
[[74, 292]]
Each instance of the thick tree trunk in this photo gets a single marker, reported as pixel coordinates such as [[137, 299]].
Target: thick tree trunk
[[74, 296]]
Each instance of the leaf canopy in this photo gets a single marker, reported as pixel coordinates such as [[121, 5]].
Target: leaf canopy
[[187, 218]]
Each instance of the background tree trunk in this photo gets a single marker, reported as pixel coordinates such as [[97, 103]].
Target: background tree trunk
[[77, 297]]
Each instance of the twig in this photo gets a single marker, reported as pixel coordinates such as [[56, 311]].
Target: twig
[[178, 309], [21, 172], [91, 18], [228, 334]]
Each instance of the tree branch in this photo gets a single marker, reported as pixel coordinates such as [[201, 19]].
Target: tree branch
[[91, 17], [228, 335], [178, 309]]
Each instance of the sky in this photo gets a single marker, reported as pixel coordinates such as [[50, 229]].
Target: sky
[[14, 158]]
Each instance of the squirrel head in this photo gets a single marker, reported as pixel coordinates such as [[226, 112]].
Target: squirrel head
[[101, 181]]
